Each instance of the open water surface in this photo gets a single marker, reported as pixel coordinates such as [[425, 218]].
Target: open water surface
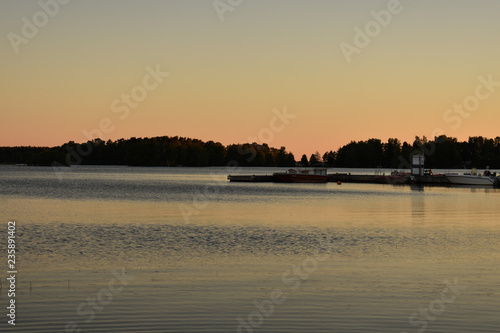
[[122, 249]]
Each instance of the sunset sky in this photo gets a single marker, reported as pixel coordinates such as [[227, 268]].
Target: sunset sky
[[69, 68]]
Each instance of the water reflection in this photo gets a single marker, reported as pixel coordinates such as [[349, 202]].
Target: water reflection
[[394, 247], [417, 204]]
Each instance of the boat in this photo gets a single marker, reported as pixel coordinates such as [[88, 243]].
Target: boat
[[396, 177], [317, 175], [486, 179]]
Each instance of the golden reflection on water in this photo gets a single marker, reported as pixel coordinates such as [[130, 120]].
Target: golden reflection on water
[[349, 205]]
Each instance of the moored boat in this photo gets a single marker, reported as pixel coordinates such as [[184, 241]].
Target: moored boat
[[485, 180], [317, 175]]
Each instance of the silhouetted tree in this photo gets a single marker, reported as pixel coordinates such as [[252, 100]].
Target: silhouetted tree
[[329, 158], [391, 152], [315, 159], [304, 161]]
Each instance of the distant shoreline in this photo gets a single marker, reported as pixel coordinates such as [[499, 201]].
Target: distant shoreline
[[440, 153]]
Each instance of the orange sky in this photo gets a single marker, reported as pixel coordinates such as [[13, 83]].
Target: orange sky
[[225, 78]]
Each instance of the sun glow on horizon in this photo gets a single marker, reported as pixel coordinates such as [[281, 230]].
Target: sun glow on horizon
[[226, 77]]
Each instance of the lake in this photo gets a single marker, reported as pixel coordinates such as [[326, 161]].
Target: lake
[[129, 249]]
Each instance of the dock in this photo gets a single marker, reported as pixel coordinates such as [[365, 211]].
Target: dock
[[370, 179], [251, 178], [418, 175], [350, 178], [377, 179]]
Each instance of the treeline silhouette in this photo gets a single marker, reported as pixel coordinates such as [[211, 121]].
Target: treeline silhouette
[[441, 153], [156, 151]]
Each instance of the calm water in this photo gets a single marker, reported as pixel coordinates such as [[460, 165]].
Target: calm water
[[119, 249]]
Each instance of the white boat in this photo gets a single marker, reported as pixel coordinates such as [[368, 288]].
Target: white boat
[[470, 179]]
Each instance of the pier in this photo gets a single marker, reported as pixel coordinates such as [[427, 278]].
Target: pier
[[349, 178], [418, 176], [251, 178]]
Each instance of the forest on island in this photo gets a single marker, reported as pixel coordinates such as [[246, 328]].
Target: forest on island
[[441, 153], [156, 151]]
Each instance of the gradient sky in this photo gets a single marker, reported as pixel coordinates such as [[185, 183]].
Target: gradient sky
[[226, 77]]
